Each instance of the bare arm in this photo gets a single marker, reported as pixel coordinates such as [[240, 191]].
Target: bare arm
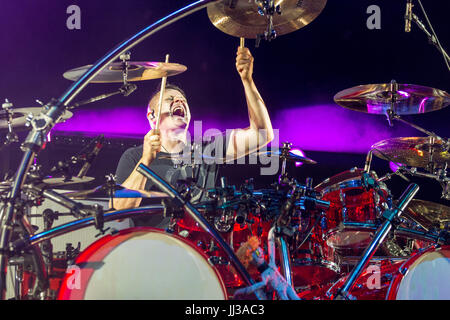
[[136, 181], [260, 131]]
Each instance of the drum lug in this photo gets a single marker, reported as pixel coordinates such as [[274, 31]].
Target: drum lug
[[403, 270], [387, 277], [183, 233], [215, 260]]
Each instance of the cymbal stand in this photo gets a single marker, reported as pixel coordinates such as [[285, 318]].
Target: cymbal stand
[[11, 136], [391, 115], [283, 179], [440, 176], [391, 220], [267, 8], [126, 89], [432, 37]]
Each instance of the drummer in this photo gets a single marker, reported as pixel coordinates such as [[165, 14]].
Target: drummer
[[172, 138]]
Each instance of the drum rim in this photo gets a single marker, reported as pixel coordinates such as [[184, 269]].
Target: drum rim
[[392, 291], [330, 265], [101, 242]]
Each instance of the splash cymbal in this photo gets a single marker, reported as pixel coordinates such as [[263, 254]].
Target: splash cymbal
[[377, 98], [137, 71], [413, 151], [244, 20]]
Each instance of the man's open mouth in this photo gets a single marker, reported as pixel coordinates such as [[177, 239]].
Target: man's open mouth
[[178, 111]]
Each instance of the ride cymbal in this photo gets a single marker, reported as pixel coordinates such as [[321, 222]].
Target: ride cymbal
[[413, 151], [405, 98], [244, 20], [137, 71]]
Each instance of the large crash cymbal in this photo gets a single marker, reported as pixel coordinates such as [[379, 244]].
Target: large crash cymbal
[[243, 20], [416, 152], [428, 214], [19, 117], [137, 71], [377, 98]]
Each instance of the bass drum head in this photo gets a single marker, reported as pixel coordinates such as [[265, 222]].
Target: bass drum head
[[142, 263], [425, 276]]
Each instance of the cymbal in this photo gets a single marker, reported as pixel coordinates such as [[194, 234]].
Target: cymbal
[[189, 158], [5, 185], [412, 151], [61, 181], [352, 174], [376, 99], [428, 214], [102, 192], [291, 157], [19, 117], [137, 71], [245, 21]]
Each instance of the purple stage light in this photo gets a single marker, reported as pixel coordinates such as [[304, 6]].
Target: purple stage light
[[315, 128], [394, 166], [403, 93], [331, 128]]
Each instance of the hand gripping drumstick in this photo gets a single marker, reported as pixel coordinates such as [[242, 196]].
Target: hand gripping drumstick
[[161, 94]]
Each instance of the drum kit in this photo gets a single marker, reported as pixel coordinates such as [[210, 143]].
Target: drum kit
[[345, 238]]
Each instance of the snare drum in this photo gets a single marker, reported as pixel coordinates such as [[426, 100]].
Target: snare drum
[[142, 263], [350, 205]]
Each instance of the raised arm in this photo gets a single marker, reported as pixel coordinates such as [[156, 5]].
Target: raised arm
[[259, 132]]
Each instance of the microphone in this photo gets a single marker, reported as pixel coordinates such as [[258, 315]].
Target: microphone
[[91, 156], [408, 15]]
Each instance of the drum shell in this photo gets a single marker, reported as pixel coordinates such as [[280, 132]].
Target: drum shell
[[96, 253]]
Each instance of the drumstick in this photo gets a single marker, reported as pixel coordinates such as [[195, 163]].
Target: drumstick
[[161, 94], [242, 42]]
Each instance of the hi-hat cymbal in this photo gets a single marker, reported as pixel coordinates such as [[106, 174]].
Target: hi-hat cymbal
[[19, 117], [377, 98], [137, 71], [428, 214], [61, 181], [244, 20], [103, 192], [291, 157], [413, 151]]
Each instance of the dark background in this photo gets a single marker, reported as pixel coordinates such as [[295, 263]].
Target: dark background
[[306, 67]]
